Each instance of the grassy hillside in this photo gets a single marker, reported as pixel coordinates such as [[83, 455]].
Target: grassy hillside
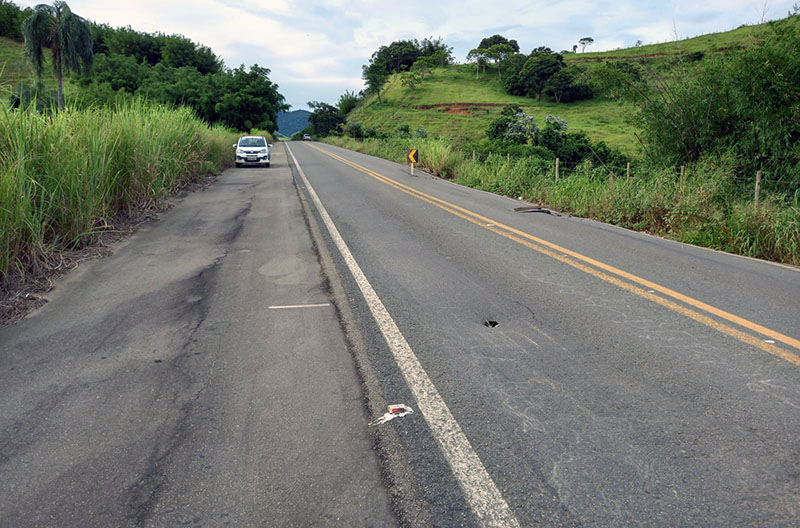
[[741, 37], [705, 200], [14, 69], [452, 103]]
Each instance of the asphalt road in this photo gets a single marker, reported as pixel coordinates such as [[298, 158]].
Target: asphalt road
[[629, 381], [222, 368], [197, 377]]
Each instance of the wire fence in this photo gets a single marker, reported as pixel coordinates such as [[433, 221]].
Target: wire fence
[[784, 181]]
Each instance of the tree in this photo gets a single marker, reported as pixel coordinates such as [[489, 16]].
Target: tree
[[423, 66], [68, 36], [347, 101], [488, 42], [120, 71], [523, 129], [513, 125], [398, 56], [498, 53], [565, 85], [585, 41], [11, 18], [247, 99], [324, 119], [143, 46], [538, 69], [375, 75], [478, 56], [512, 68], [436, 48], [355, 130], [410, 79]]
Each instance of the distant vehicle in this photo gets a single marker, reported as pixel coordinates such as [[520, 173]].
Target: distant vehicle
[[252, 150], [306, 137]]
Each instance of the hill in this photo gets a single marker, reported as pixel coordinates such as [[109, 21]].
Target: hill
[[453, 102], [291, 122], [742, 37]]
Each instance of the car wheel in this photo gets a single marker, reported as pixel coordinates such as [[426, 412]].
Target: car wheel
[[238, 165], [267, 165]]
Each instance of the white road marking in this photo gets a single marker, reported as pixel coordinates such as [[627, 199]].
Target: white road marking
[[291, 306], [482, 494]]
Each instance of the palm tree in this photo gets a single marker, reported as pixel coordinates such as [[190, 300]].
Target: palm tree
[[67, 35]]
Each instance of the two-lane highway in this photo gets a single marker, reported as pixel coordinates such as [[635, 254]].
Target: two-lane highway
[[576, 373], [561, 372]]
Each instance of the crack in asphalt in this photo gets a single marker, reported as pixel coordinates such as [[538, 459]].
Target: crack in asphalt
[[144, 495]]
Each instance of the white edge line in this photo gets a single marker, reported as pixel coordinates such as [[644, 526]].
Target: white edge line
[[484, 498], [290, 306]]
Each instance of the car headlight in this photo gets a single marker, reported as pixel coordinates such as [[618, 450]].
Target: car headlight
[[239, 152], [264, 151]]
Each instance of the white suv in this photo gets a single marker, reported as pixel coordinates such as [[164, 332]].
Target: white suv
[[252, 150]]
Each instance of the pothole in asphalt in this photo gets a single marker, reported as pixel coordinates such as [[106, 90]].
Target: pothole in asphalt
[[488, 323], [532, 210]]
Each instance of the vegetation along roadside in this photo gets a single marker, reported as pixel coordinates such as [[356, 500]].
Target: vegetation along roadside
[[100, 126], [672, 144]]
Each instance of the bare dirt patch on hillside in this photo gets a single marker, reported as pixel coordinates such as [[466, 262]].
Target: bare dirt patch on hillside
[[465, 109]]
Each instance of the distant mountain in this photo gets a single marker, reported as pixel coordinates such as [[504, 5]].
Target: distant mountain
[[291, 122]]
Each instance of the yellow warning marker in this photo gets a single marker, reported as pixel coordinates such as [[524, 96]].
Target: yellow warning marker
[[413, 157]]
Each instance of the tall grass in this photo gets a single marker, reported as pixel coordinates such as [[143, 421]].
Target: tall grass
[[67, 174], [701, 209]]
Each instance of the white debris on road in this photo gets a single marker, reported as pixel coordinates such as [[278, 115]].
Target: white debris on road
[[394, 411]]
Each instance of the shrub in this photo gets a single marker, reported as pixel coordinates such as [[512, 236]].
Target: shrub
[[355, 130]]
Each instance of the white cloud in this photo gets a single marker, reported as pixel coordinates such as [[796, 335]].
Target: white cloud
[[322, 45]]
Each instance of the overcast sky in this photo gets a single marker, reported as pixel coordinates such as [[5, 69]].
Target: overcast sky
[[316, 49]]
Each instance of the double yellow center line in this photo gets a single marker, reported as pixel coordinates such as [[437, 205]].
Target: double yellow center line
[[644, 288]]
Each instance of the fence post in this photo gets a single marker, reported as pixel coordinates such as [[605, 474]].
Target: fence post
[[758, 187], [588, 167], [629, 170], [683, 179], [508, 157], [611, 179], [473, 156], [557, 170]]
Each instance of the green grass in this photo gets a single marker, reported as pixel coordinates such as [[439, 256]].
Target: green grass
[[741, 37], [66, 176], [601, 119], [14, 69]]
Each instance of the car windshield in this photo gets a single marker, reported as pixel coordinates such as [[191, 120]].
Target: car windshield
[[252, 142]]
